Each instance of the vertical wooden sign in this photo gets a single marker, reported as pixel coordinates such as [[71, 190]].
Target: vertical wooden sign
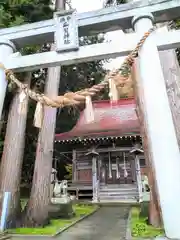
[[66, 31]]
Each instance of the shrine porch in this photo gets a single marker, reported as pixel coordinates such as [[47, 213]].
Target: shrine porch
[[109, 177]]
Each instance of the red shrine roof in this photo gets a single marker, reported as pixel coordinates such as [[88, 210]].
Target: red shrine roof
[[111, 119]]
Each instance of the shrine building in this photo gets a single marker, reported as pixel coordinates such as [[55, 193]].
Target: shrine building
[[106, 164]]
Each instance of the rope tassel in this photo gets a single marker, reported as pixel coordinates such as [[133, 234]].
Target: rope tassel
[[89, 111], [39, 114], [22, 103], [113, 92]]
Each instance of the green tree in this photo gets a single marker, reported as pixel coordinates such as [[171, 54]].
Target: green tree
[[73, 77], [11, 162]]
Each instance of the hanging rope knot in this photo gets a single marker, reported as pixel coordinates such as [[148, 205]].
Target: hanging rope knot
[[8, 73], [24, 88], [121, 85], [130, 60]]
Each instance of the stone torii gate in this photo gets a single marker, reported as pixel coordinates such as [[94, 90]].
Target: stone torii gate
[[65, 29]]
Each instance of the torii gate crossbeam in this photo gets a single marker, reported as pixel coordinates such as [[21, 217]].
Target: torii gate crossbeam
[[103, 20], [160, 128], [164, 41]]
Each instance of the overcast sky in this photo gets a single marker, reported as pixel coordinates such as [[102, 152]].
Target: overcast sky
[[116, 37]]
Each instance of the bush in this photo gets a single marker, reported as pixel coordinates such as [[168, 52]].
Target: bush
[[139, 224], [139, 229]]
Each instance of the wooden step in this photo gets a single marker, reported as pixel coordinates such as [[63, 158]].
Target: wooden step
[[117, 201], [114, 198], [118, 190], [85, 194], [118, 186], [118, 194]]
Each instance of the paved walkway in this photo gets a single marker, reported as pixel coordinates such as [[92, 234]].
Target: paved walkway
[[108, 223]]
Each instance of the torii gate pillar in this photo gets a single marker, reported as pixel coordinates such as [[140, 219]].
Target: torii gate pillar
[[6, 48], [160, 128]]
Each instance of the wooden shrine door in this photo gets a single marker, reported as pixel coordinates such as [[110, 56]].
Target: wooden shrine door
[[121, 175]]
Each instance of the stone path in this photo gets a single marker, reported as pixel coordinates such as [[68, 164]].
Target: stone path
[[107, 223]]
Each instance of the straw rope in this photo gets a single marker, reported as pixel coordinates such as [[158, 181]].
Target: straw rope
[[120, 77]]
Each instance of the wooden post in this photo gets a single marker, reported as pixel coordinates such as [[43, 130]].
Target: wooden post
[[138, 177], [74, 166], [94, 178], [133, 168]]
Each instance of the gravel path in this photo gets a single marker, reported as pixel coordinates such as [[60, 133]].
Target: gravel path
[[107, 223]]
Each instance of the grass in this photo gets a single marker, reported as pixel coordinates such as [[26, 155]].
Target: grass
[[57, 224], [139, 225]]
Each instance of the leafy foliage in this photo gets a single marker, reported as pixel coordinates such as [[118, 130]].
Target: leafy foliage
[[110, 2], [140, 227], [69, 171], [73, 78], [16, 12]]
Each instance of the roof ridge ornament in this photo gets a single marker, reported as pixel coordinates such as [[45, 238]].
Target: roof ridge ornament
[[137, 149], [92, 152]]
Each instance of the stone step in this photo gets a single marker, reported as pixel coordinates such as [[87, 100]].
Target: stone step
[[4, 236], [118, 193], [118, 188]]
